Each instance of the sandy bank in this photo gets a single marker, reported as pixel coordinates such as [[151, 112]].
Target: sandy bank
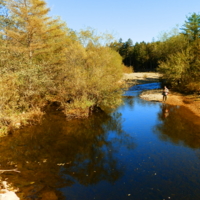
[[190, 101], [142, 76]]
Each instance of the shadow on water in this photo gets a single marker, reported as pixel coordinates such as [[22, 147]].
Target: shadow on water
[[184, 132], [58, 154], [142, 151]]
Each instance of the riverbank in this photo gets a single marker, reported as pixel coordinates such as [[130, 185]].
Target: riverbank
[[141, 77], [192, 102]]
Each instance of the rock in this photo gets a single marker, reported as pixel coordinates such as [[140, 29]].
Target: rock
[[9, 195]]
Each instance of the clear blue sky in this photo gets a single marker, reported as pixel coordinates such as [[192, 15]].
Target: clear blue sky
[[140, 20]]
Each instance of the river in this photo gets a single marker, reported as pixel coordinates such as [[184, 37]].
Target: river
[[143, 150]]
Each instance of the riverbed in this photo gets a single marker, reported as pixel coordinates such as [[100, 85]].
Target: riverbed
[[142, 150]]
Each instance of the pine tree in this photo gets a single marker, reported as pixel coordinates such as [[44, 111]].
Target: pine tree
[[34, 34], [32, 51], [191, 28]]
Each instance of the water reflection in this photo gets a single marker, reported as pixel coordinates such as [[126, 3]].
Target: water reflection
[[179, 126], [108, 157], [129, 101], [57, 154], [165, 111]]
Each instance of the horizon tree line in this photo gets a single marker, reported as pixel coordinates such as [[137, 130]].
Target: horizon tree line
[[176, 55]]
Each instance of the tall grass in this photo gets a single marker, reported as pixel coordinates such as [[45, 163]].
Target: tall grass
[[128, 69]]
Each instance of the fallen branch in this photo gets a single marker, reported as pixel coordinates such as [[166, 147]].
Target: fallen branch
[[9, 170]]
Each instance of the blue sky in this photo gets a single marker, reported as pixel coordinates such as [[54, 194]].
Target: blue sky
[[140, 20]]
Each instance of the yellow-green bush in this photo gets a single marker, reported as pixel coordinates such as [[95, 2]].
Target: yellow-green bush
[[52, 65]]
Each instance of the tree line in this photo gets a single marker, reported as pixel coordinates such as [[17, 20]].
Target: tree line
[[176, 55], [43, 61]]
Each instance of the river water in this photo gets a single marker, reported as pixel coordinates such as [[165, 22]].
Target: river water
[[143, 150]]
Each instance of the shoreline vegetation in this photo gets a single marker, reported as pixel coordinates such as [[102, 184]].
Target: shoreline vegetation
[[43, 62], [192, 102]]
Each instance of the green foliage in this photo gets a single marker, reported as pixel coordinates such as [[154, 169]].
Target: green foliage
[[176, 68], [91, 73], [170, 46], [140, 57], [181, 61], [182, 69], [191, 28], [176, 55]]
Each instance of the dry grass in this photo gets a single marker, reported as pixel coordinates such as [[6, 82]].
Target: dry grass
[[128, 70], [16, 121]]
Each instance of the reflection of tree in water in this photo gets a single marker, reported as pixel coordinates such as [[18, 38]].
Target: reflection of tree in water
[[129, 101], [178, 126], [55, 154]]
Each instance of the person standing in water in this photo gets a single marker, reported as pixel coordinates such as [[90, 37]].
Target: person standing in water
[[165, 93]]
